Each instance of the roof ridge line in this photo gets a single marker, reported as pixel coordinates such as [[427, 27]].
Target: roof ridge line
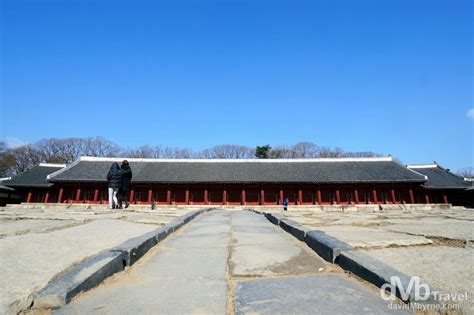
[[431, 165], [52, 165], [119, 159], [63, 169]]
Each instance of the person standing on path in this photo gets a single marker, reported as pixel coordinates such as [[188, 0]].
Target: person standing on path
[[285, 203], [126, 186], [114, 179]]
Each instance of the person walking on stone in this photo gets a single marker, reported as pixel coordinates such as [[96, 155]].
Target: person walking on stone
[[286, 201], [114, 179], [125, 186]]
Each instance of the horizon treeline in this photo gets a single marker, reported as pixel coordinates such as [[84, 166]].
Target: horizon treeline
[[66, 150]]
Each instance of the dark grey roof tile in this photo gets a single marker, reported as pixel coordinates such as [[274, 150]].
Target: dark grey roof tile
[[440, 178], [34, 177], [245, 171]]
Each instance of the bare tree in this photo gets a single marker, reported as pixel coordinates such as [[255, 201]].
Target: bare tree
[[227, 151], [204, 154], [66, 150], [361, 154], [467, 172], [144, 151], [282, 152], [182, 153], [176, 153], [326, 152], [7, 160], [25, 158], [100, 147], [305, 150]]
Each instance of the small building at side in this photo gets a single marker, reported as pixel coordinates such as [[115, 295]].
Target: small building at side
[[454, 188], [33, 186]]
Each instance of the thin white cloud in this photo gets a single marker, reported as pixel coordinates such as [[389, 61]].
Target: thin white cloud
[[470, 113], [13, 143]]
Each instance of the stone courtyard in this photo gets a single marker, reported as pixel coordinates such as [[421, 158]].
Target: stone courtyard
[[38, 244], [436, 245]]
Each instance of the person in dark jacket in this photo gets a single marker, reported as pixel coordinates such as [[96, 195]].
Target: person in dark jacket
[[125, 186], [114, 178], [286, 201]]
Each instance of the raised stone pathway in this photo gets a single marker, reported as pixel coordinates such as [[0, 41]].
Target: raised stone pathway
[[230, 261]]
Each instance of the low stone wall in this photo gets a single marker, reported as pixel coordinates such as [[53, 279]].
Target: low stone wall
[[358, 208], [83, 206], [315, 208]]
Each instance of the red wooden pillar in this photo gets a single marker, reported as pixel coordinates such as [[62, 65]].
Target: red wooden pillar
[[356, 195], [262, 196], [132, 195], [29, 196], [96, 194], [206, 195], [60, 196], [374, 193], [243, 196], [78, 194], [338, 196], [319, 195], [300, 196], [412, 198], [224, 196], [394, 200], [445, 198], [150, 195], [427, 198], [186, 197], [281, 196], [168, 196], [46, 197]]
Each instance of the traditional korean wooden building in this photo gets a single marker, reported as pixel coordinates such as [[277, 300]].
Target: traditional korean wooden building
[[8, 195], [33, 186], [443, 186], [245, 182]]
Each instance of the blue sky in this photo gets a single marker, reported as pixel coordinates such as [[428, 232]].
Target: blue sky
[[394, 77]]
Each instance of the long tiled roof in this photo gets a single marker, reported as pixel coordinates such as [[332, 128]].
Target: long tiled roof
[[439, 177], [34, 177], [365, 170]]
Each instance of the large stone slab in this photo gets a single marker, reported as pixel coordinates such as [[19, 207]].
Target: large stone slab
[[325, 245], [294, 228], [372, 270], [249, 218], [366, 237], [258, 261], [321, 294], [18, 227], [82, 278], [435, 227], [268, 236], [183, 241], [136, 247], [186, 274], [28, 262], [206, 229], [449, 269], [267, 250], [176, 296], [273, 218]]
